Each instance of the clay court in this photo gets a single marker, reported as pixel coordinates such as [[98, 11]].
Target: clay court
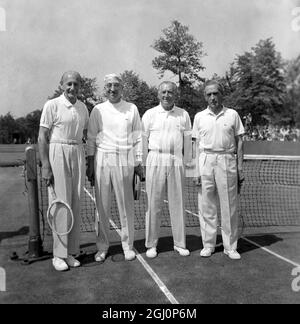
[[267, 272]]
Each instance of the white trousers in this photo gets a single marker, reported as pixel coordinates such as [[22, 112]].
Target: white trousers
[[165, 169], [218, 177], [112, 171], [68, 167]]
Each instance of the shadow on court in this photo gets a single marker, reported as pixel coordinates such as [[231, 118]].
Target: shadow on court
[[22, 231], [264, 240]]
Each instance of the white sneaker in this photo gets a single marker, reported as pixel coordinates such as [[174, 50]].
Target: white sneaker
[[207, 252], [182, 251], [151, 253], [100, 256], [233, 254], [72, 262], [59, 264], [129, 255]]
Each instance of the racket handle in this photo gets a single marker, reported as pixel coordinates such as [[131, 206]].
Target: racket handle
[[52, 192]]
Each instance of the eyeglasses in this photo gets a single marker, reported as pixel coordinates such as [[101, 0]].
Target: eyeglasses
[[212, 93], [110, 85], [75, 84]]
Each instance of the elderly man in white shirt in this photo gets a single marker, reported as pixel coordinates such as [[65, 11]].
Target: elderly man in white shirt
[[63, 125], [166, 134], [218, 131], [114, 153]]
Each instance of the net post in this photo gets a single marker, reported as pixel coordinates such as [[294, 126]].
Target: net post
[[35, 248]]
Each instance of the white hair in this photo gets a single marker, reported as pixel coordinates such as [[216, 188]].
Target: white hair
[[112, 76]]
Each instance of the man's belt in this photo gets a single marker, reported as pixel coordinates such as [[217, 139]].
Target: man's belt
[[215, 152], [65, 141]]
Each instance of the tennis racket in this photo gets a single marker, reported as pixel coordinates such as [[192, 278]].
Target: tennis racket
[[136, 187], [56, 207], [138, 177]]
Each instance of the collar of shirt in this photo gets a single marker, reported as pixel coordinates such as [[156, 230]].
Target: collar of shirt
[[66, 102], [118, 105], [210, 112], [162, 110]]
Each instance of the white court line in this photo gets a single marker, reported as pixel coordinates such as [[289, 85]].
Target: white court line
[[271, 252], [147, 267]]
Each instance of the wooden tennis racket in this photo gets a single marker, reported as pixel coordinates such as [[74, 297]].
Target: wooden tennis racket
[[55, 208]]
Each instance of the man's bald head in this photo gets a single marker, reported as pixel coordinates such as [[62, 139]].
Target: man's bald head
[[73, 75], [167, 92], [168, 83], [71, 83]]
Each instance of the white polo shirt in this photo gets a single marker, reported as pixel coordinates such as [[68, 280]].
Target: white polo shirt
[[65, 121], [217, 133], [115, 128], [165, 130]]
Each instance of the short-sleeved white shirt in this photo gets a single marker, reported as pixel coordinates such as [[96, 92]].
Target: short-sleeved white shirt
[[65, 120], [217, 132], [165, 130]]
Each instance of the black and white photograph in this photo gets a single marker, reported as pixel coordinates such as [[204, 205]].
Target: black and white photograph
[[149, 155]]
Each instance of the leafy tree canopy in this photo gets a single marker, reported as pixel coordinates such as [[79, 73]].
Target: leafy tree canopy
[[181, 54]]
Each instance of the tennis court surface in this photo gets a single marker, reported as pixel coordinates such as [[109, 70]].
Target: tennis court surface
[[267, 273]]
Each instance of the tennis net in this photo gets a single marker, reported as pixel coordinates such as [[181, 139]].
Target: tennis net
[[270, 196]]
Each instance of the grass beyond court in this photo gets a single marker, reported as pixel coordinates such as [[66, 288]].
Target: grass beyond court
[[260, 277]]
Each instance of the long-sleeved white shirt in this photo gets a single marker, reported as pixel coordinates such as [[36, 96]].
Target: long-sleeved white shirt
[[115, 128]]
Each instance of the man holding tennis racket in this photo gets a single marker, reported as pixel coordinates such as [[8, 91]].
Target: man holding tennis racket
[[166, 135], [114, 153], [218, 131], [63, 125]]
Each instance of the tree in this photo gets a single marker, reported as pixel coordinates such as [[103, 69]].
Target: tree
[[293, 90], [256, 83], [181, 54], [8, 128], [88, 94], [32, 121], [138, 92]]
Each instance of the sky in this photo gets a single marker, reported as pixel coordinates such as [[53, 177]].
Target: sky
[[40, 39]]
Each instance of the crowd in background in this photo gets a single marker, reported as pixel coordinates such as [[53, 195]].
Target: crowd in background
[[272, 133], [269, 132]]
